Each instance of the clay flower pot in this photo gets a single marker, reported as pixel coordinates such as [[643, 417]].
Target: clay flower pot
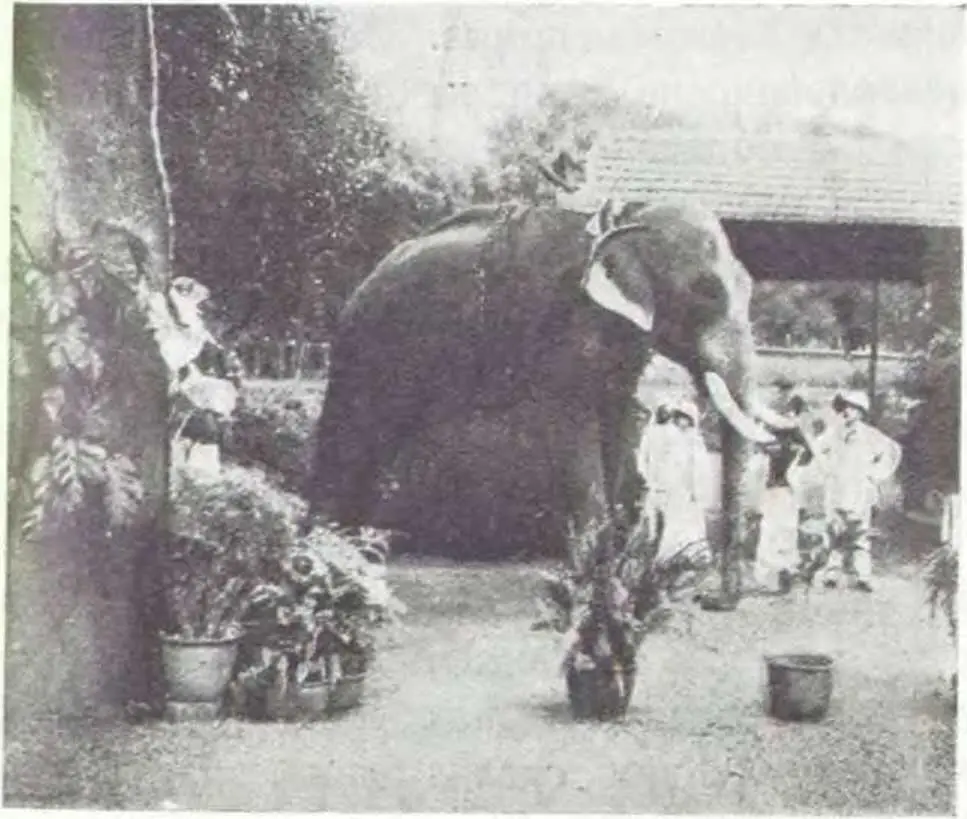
[[197, 670], [598, 691]]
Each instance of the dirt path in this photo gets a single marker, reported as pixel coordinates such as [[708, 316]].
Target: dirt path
[[470, 716]]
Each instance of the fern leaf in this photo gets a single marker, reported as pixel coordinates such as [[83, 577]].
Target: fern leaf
[[67, 489], [40, 470], [92, 460], [123, 489], [33, 516], [53, 402], [39, 285], [31, 523]]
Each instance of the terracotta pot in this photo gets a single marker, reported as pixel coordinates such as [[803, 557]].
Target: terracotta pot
[[310, 701], [197, 670]]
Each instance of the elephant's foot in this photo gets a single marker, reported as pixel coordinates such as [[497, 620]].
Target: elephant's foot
[[725, 592], [719, 600]]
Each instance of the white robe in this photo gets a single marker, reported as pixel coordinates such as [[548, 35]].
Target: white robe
[[684, 486], [778, 546]]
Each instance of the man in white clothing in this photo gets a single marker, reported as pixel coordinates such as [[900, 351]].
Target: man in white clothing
[[856, 459]]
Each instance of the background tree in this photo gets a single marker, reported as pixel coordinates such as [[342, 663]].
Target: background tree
[[286, 188], [835, 314], [571, 116]]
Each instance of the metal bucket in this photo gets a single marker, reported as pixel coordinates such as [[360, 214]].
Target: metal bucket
[[800, 686]]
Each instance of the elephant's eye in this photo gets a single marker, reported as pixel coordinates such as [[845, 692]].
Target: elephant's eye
[[709, 292], [711, 248]]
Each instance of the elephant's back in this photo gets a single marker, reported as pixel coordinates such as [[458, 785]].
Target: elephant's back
[[429, 266], [511, 263], [489, 311]]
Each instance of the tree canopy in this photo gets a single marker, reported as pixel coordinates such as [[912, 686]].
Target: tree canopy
[[286, 188]]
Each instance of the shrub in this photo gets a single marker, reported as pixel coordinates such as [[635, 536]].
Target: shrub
[[230, 533], [273, 429], [940, 574], [314, 622], [330, 595]]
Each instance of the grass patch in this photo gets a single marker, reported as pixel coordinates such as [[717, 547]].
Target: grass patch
[[441, 591]]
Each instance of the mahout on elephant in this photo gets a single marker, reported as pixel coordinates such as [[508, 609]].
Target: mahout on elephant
[[489, 368]]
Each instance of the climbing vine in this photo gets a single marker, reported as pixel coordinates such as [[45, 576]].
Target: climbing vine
[[79, 315]]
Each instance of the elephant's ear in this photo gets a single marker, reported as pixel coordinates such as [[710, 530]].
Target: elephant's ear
[[627, 296], [604, 291]]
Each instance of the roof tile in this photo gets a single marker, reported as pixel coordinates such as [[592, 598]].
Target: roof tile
[[787, 177]]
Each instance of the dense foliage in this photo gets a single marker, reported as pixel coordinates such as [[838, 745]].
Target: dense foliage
[[272, 429], [71, 316], [229, 532], [283, 182]]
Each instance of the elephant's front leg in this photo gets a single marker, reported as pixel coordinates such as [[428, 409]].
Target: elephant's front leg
[[581, 479], [622, 484]]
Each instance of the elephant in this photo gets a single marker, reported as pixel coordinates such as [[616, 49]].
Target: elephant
[[491, 364]]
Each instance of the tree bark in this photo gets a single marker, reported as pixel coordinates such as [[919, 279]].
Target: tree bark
[[82, 607]]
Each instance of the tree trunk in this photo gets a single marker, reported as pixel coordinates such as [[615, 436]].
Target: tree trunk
[[81, 607]]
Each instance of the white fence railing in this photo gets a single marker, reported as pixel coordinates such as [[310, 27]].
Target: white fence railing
[[284, 359], [829, 352], [289, 359]]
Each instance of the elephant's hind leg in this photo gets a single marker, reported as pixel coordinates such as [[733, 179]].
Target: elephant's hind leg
[[352, 442]]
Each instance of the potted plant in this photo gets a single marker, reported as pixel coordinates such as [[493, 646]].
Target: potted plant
[[609, 596], [227, 531], [311, 629]]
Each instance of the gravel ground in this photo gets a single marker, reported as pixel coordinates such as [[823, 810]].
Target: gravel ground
[[466, 712]]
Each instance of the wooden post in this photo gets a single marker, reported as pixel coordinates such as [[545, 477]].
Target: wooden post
[[300, 357], [874, 349]]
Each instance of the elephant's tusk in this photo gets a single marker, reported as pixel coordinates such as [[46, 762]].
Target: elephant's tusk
[[772, 418], [733, 413]]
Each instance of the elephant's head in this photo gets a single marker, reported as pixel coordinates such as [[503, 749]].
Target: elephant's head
[[670, 270]]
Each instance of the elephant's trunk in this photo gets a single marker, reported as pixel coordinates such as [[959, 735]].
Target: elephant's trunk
[[730, 380], [737, 495]]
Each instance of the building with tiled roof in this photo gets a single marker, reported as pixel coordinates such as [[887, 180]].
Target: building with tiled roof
[[808, 205], [803, 205]]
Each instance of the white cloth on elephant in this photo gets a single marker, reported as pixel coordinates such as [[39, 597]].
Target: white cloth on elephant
[[684, 490]]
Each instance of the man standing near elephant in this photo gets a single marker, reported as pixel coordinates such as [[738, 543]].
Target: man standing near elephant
[[856, 459]]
